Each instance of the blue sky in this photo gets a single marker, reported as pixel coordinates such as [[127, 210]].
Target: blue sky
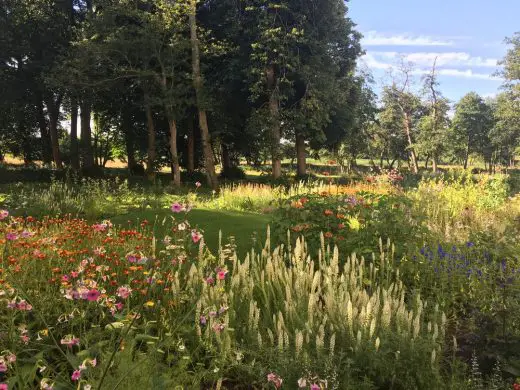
[[466, 36]]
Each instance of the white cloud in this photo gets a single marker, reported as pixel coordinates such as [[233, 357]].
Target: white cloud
[[454, 59], [454, 64], [374, 38]]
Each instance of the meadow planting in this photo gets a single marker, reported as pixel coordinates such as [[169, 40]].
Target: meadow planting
[[364, 286]]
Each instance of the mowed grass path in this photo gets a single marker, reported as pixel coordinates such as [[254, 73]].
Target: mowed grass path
[[242, 225]]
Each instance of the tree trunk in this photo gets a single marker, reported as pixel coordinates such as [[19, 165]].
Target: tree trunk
[[274, 110], [197, 83], [151, 152], [74, 152], [413, 156], [426, 162], [176, 169], [128, 131], [191, 147], [301, 162], [45, 136], [53, 110], [226, 158], [434, 164], [87, 154]]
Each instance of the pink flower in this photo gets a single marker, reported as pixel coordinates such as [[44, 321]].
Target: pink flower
[[25, 339], [76, 375], [197, 184], [24, 306], [3, 386], [131, 258], [11, 236], [221, 275], [93, 295], [11, 358], [176, 207], [119, 306], [210, 280], [195, 236], [100, 227], [218, 328], [69, 341], [275, 380], [3, 367], [74, 274], [3, 214], [203, 320], [124, 292], [26, 234], [302, 382], [314, 386]]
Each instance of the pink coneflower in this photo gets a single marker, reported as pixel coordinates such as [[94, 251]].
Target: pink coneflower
[[26, 234], [124, 292], [275, 380], [221, 275], [3, 386], [314, 386], [11, 236], [100, 227], [196, 236], [76, 375], [131, 258], [93, 295], [3, 367], [69, 341], [176, 207], [218, 328], [99, 251], [24, 306], [119, 306], [3, 214]]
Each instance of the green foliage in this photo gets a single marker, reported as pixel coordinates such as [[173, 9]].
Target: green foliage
[[353, 223]]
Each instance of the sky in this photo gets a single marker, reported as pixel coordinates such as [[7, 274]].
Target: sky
[[466, 37]]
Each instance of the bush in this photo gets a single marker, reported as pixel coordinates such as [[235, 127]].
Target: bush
[[233, 173], [353, 222]]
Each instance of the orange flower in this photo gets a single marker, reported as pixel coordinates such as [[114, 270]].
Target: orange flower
[[328, 213], [328, 235], [340, 216]]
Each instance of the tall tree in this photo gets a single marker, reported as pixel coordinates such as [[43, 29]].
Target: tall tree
[[198, 85], [470, 128], [433, 126]]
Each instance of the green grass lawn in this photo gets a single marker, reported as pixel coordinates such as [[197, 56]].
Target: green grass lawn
[[241, 225]]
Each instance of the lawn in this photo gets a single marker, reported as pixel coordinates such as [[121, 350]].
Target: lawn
[[247, 229]]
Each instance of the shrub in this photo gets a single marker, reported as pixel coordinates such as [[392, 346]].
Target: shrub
[[233, 173], [354, 223]]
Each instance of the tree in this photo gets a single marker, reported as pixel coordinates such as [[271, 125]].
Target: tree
[[433, 127], [470, 127], [400, 96], [198, 86]]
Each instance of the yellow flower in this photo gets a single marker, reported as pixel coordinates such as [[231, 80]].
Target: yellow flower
[[150, 304]]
